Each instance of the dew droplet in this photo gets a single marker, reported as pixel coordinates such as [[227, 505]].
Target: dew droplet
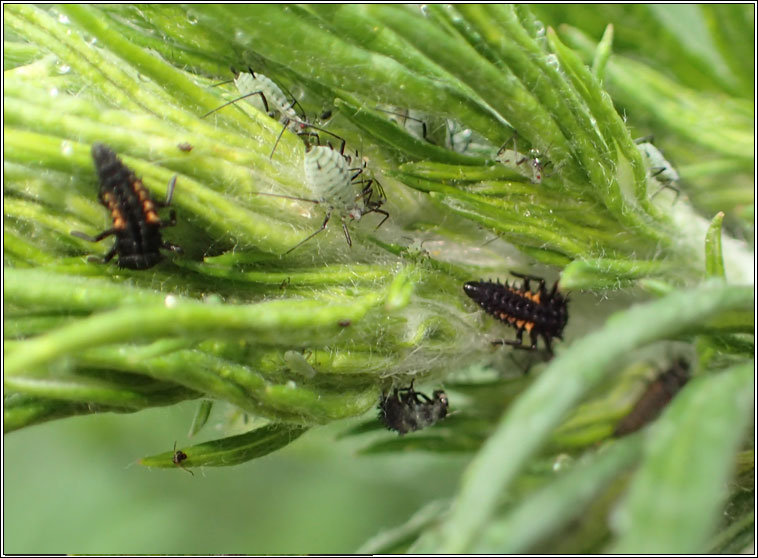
[[170, 301], [552, 61], [191, 18], [67, 148], [63, 18], [424, 10], [562, 462], [54, 92], [64, 69], [539, 28]]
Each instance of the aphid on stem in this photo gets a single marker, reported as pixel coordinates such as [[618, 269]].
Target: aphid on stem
[[333, 182], [658, 167], [267, 96], [136, 224], [515, 160]]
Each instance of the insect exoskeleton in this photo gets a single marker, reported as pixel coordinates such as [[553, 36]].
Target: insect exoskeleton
[[658, 167], [136, 224], [532, 165], [344, 189], [656, 396], [406, 410], [542, 313]]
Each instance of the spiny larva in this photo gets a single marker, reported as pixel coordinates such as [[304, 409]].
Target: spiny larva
[[539, 313], [136, 224]]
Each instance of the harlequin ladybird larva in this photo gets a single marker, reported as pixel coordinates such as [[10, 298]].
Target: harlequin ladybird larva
[[515, 160], [658, 167], [178, 457], [406, 410], [539, 313], [655, 397], [333, 182], [136, 224]]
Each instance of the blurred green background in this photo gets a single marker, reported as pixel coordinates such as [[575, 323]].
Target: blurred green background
[[74, 486]]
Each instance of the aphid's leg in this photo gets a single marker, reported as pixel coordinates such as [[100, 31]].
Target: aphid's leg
[[644, 139], [323, 226], [503, 147], [169, 193], [670, 187], [97, 238], [347, 233], [286, 123], [382, 212], [245, 96]]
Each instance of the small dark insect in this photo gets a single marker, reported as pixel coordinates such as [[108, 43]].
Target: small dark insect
[[187, 147], [657, 395], [344, 323], [180, 456], [136, 224], [406, 410], [540, 313]]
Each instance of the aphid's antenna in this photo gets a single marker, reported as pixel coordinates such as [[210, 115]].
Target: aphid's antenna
[[222, 83], [245, 96], [407, 116]]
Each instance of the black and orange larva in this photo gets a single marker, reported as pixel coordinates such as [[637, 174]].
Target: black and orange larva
[[539, 313], [652, 401], [136, 224], [406, 410]]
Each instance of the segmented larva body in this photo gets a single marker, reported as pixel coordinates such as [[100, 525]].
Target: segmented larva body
[[541, 313], [656, 396], [329, 178], [277, 101], [136, 224]]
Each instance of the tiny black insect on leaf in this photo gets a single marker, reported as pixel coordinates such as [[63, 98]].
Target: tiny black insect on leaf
[[657, 395], [178, 457], [406, 410], [541, 314], [136, 224]]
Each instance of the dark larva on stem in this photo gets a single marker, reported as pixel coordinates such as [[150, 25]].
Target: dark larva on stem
[[406, 410], [541, 314]]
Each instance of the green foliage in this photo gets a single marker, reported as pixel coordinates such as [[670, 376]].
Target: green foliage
[[305, 338]]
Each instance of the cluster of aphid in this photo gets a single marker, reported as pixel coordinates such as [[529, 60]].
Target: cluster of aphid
[[338, 181]]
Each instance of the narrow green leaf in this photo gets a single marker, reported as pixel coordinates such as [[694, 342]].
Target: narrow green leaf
[[714, 260], [202, 413], [559, 501], [230, 451], [675, 499], [603, 53]]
